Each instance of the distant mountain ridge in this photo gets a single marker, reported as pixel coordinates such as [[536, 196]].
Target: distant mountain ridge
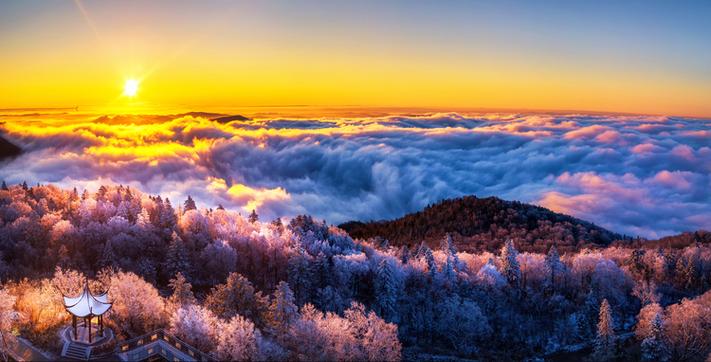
[[478, 224], [8, 149]]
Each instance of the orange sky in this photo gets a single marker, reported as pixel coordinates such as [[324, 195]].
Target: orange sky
[[208, 55]]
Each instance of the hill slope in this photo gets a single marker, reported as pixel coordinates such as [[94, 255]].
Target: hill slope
[[485, 224]]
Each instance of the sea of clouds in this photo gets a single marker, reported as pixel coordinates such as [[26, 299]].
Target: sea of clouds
[[638, 175]]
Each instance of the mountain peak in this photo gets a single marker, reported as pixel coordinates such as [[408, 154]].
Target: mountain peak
[[478, 224]]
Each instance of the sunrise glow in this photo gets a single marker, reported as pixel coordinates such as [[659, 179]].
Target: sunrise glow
[[130, 88]]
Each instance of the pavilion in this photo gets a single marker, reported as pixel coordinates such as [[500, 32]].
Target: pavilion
[[87, 306]]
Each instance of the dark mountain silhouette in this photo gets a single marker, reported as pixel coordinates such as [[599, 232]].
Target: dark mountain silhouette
[[8, 149], [228, 119], [485, 224]]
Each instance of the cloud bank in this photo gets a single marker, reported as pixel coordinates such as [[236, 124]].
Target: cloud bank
[[647, 176]]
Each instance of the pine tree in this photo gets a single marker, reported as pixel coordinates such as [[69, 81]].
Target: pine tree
[[167, 216], [182, 290], [282, 310], [404, 254], [429, 258], [177, 260], [189, 204], [24, 186], [386, 290], [510, 267], [300, 277], [108, 256], [74, 196], [4, 186], [654, 347], [236, 296], [605, 340], [554, 266], [253, 217], [278, 225]]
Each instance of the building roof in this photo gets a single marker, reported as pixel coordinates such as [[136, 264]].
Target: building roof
[[87, 304]]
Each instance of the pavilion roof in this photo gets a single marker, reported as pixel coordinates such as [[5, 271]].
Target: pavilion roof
[[87, 304]]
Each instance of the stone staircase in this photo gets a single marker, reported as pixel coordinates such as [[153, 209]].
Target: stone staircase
[[76, 351]]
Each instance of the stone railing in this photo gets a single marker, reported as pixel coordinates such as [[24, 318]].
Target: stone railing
[[159, 342]]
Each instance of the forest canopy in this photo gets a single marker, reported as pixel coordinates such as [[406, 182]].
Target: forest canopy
[[301, 289]]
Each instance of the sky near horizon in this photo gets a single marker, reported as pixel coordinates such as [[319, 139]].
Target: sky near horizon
[[632, 56]]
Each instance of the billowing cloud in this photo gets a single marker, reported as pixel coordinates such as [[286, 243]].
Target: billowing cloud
[[646, 176]]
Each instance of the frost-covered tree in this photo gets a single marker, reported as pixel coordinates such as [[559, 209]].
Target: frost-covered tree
[[218, 260], [237, 340], [509, 265], [555, 267], [137, 307], [195, 325], [686, 328], [282, 310], [646, 316], [386, 288], [490, 276], [429, 259], [182, 291], [253, 217], [654, 347], [237, 296], [605, 340], [177, 260], [461, 323], [301, 278], [189, 204]]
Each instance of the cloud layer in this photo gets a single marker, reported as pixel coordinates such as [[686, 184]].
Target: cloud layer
[[647, 176]]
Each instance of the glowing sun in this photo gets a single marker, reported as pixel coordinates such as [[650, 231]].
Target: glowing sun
[[130, 88]]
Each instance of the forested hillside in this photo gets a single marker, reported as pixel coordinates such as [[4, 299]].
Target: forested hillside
[[241, 288], [486, 224]]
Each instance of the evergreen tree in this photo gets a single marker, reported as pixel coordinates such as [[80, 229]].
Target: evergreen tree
[[24, 185], [182, 291], [282, 310], [605, 340], [510, 267], [555, 267], [236, 296], [167, 219], [4, 186], [253, 217], [278, 225], [74, 195], [404, 254], [386, 290], [147, 269], [654, 347], [300, 277], [177, 260], [108, 256], [189, 204], [429, 258]]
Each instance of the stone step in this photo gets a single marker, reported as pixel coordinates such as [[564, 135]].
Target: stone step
[[76, 351]]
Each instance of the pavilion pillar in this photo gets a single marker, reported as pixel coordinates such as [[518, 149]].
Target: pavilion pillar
[[101, 325], [89, 329], [74, 325]]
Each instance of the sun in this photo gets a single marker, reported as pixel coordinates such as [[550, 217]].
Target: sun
[[130, 88]]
